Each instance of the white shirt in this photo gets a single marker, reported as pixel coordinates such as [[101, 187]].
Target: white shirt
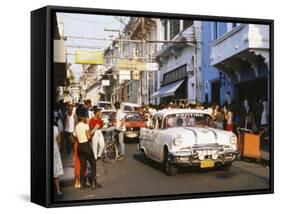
[[69, 122], [56, 133], [264, 115], [80, 132], [119, 117]]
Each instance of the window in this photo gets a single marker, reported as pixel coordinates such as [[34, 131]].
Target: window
[[187, 23], [159, 122], [234, 25], [174, 28], [165, 30], [215, 30], [174, 75]]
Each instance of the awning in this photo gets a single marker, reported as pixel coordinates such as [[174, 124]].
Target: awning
[[168, 90]]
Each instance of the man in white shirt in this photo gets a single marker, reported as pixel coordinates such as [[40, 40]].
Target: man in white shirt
[[69, 121], [121, 128]]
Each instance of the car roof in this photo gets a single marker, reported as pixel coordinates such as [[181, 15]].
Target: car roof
[[165, 112], [134, 112], [104, 102], [108, 110], [130, 104]]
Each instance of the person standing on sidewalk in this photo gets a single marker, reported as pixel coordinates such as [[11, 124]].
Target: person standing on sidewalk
[[58, 168], [219, 118], [69, 122], [121, 128], [85, 152], [98, 139], [229, 118]]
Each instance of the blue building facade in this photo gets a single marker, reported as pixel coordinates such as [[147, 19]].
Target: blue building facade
[[234, 62]]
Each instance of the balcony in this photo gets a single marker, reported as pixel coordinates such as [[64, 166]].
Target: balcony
[[181, 40], [246, 41]]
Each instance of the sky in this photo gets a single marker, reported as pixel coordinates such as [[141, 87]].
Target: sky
[[88, 25]]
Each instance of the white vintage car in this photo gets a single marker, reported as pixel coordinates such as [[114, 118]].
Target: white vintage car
[[186, 137]]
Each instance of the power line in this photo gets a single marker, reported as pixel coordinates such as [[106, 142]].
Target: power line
[[84, 20], [188, 40]]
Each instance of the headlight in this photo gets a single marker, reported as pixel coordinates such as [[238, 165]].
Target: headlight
[[178, 141], [233, 139]]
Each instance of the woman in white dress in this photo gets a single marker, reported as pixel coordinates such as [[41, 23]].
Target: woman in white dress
[[58, 169]]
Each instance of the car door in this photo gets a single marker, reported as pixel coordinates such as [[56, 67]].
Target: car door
[[154, 137], [159, 139]]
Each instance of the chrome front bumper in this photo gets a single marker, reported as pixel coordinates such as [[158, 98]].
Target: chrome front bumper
[[195, 155]]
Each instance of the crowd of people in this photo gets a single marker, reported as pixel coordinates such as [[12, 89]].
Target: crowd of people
[[251, 115], [77, 131]]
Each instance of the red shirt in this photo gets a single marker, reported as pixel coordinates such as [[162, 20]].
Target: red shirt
[[94, 121]]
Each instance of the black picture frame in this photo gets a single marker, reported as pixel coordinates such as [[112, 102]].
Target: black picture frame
[[41, 105]]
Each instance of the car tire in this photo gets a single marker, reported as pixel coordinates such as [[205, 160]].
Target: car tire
[[168, 167], [142, 155]]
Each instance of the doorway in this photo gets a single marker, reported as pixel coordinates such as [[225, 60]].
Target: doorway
[[215, 87]]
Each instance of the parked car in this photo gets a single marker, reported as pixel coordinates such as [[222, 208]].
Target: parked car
[[134, 121], [130, 106], [186, 137], [105, 105]]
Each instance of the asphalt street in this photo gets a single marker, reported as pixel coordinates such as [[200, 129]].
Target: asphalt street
[[135, 177]]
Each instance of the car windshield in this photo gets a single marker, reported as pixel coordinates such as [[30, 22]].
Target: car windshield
[[106, 115], [105, 105], [188, 119], [133, 117]]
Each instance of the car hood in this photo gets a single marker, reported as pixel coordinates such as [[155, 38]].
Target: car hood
[[134, 124], [201, 135]]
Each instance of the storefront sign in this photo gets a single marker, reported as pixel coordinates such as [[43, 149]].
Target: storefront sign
[[131, 65], [124, 75], [105, 83], [135, 75], [89, 57], [151, 66]]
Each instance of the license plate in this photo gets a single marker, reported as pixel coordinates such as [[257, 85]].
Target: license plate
[[207, 164]]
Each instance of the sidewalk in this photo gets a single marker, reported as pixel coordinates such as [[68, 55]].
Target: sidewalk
[[68, 167], [265, 151]]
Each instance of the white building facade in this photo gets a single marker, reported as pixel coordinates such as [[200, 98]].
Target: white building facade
[[179, 76]]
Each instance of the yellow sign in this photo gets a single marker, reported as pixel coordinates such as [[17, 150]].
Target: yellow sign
[[131, 65], [89, 57]]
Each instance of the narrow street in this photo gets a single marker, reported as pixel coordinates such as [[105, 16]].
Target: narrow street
[[192, 92], [134, 177]]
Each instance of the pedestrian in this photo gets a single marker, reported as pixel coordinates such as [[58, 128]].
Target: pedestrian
[[77, 183], [57, 165], [98, 139], [219, 118], [229, 118], [264, 115], [85, 152], [250, 120], [121, 128], [88, 106], [69, 121]]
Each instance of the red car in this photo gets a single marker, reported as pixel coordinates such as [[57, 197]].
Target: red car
[[134, 121]]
